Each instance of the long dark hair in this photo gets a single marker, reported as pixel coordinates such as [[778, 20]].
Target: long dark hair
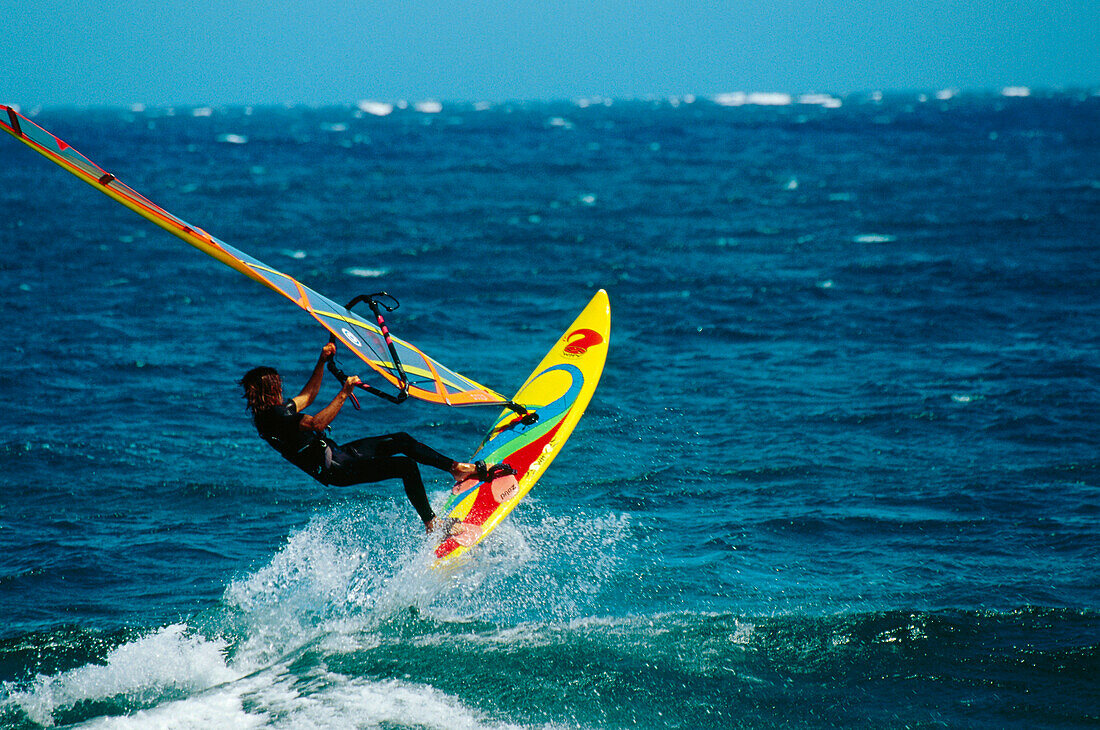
[[263, 388]]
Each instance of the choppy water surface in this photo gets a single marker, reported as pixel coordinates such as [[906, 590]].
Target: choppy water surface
[[842, 468]]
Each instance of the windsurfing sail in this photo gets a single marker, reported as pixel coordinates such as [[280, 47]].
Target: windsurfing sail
[[404, 366]]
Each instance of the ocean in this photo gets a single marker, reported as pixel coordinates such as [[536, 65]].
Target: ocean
[[842, 468]]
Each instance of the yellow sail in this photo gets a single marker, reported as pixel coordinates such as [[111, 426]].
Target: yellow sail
[[412, 370]]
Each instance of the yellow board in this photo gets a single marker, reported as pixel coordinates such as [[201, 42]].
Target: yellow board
[[558, 390]]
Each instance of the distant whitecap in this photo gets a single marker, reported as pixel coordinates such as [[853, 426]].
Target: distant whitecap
[[366, 273], [428, 107], [202, 111], [757, 98], [560, 122], [962, 398], [377, 108], [293, 253], [1019, 91], [946, 94], [593, 101], [232, 138], [874, 238], [792, 184], [827, 284], [334, 127], [588, 199], [823, 100], [769, 99]]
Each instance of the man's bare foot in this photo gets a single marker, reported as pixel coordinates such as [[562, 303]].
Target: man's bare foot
[[462, 471]]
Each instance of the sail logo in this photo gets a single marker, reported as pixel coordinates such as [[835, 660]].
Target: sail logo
[[578, 341], [350, 336]]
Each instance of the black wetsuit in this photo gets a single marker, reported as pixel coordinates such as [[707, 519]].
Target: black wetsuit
[[371, 459]]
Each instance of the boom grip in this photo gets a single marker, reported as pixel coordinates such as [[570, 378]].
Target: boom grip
[[340, 374]]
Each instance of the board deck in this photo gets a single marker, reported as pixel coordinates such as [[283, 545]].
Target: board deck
[[559, 390]]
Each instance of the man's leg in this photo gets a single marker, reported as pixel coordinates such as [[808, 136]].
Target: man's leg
[[369, 470]]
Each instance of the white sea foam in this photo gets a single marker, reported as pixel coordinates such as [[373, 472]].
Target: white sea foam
[[1018, 91], [593, 101], [343, 572], [874, 238], [143, 671], [756, 98], [517, 574], [275, 696], [202, 111], [327, 591], [824, 100], [307, 577], [376, 108], [363, 703], [428, 107], [222, 708], [233, 138], [366, 273], [676, 101]]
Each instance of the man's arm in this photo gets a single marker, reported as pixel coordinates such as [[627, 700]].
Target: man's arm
[[325, 416], [309, 393]]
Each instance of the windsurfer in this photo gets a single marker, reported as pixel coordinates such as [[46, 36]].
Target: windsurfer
[[300, 438]]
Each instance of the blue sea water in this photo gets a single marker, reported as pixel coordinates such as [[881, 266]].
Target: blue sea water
[[842, 469]]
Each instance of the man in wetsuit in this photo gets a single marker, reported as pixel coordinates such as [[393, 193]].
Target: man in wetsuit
[[300, 438]]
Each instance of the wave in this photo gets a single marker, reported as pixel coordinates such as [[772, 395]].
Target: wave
[[273, 651], [871, 669], [345, 625]]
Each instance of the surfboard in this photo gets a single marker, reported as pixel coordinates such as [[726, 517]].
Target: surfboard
[[559, 390]]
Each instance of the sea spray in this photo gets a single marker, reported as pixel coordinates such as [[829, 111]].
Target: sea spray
[[163, 665]]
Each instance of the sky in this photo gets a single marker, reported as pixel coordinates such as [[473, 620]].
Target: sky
[[177, 52]]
